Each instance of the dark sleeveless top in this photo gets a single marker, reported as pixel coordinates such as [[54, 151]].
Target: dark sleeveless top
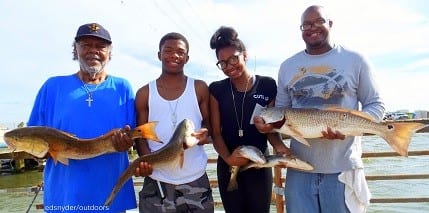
[[263, 91]]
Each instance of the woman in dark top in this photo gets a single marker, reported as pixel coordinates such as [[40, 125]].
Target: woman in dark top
[[232, 101]]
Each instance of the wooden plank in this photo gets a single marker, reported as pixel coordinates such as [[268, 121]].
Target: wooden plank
[[397, 177], [400, 200], [16, 155], [212, 160], [393, 154]]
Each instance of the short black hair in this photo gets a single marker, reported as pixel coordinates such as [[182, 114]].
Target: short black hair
[[226, 37], [173, 36]]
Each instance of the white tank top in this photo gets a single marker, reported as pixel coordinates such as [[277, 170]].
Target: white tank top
[[161, 110]]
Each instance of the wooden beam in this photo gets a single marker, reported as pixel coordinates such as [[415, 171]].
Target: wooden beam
[[393, 154], [397, 177], [400, 200]]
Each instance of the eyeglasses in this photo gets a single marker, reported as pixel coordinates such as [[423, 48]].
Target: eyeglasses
[[233, 60], [309, 25]]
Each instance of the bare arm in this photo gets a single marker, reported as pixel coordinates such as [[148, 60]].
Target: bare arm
[[232, 159], [202, 90], [276, 140], [142, 108]]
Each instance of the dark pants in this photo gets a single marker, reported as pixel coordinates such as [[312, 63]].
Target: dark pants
[[253, 193]]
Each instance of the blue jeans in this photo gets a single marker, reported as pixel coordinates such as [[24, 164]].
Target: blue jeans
[[314, 192]]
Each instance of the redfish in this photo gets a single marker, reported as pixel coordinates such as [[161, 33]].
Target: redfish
[[172, 155], [309, 123], [250, 152], [40, 140]]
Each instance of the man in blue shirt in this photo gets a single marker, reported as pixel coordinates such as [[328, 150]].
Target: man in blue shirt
[[87, 103]]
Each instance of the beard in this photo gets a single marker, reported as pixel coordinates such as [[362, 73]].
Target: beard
[[315, 44], [91, 70]]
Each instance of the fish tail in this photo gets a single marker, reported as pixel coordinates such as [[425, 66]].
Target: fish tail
[[233, 185], [147, 131], [127, 174], [111, 196], [398, 135]]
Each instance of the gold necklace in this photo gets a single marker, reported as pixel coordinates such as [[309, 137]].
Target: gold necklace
[[239, 124]]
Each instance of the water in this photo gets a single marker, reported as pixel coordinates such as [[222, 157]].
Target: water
[[16, 195]]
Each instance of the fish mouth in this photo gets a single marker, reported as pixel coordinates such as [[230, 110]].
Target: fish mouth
[[190, 143], [278, 124], [11, 146]]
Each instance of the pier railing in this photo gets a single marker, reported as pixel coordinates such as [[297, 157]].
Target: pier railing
[[278, 181]]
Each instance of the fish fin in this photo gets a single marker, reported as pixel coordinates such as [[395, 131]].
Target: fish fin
[[291, 131], [57, 158], [353, 112], [298, 136], [398, 135], [64, 161], [147, 131], [301, 139], [67, 133]]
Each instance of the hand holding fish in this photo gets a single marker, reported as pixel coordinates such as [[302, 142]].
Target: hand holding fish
[[329, 134], [171, 155], [236, 158], [202, 136], [121, 140], [144, 169], [261, 126], [282, 150]]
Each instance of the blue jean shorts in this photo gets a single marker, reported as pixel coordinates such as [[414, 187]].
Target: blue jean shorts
[[314, 192]]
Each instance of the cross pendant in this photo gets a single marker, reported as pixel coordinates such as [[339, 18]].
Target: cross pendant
[[89, 100]]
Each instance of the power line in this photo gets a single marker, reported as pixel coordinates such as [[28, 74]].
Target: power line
[[195, 31]]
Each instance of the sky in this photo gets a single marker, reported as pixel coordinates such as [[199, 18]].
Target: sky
[[37, 39]]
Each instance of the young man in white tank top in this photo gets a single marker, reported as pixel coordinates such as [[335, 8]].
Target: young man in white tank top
[[170, 99]]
